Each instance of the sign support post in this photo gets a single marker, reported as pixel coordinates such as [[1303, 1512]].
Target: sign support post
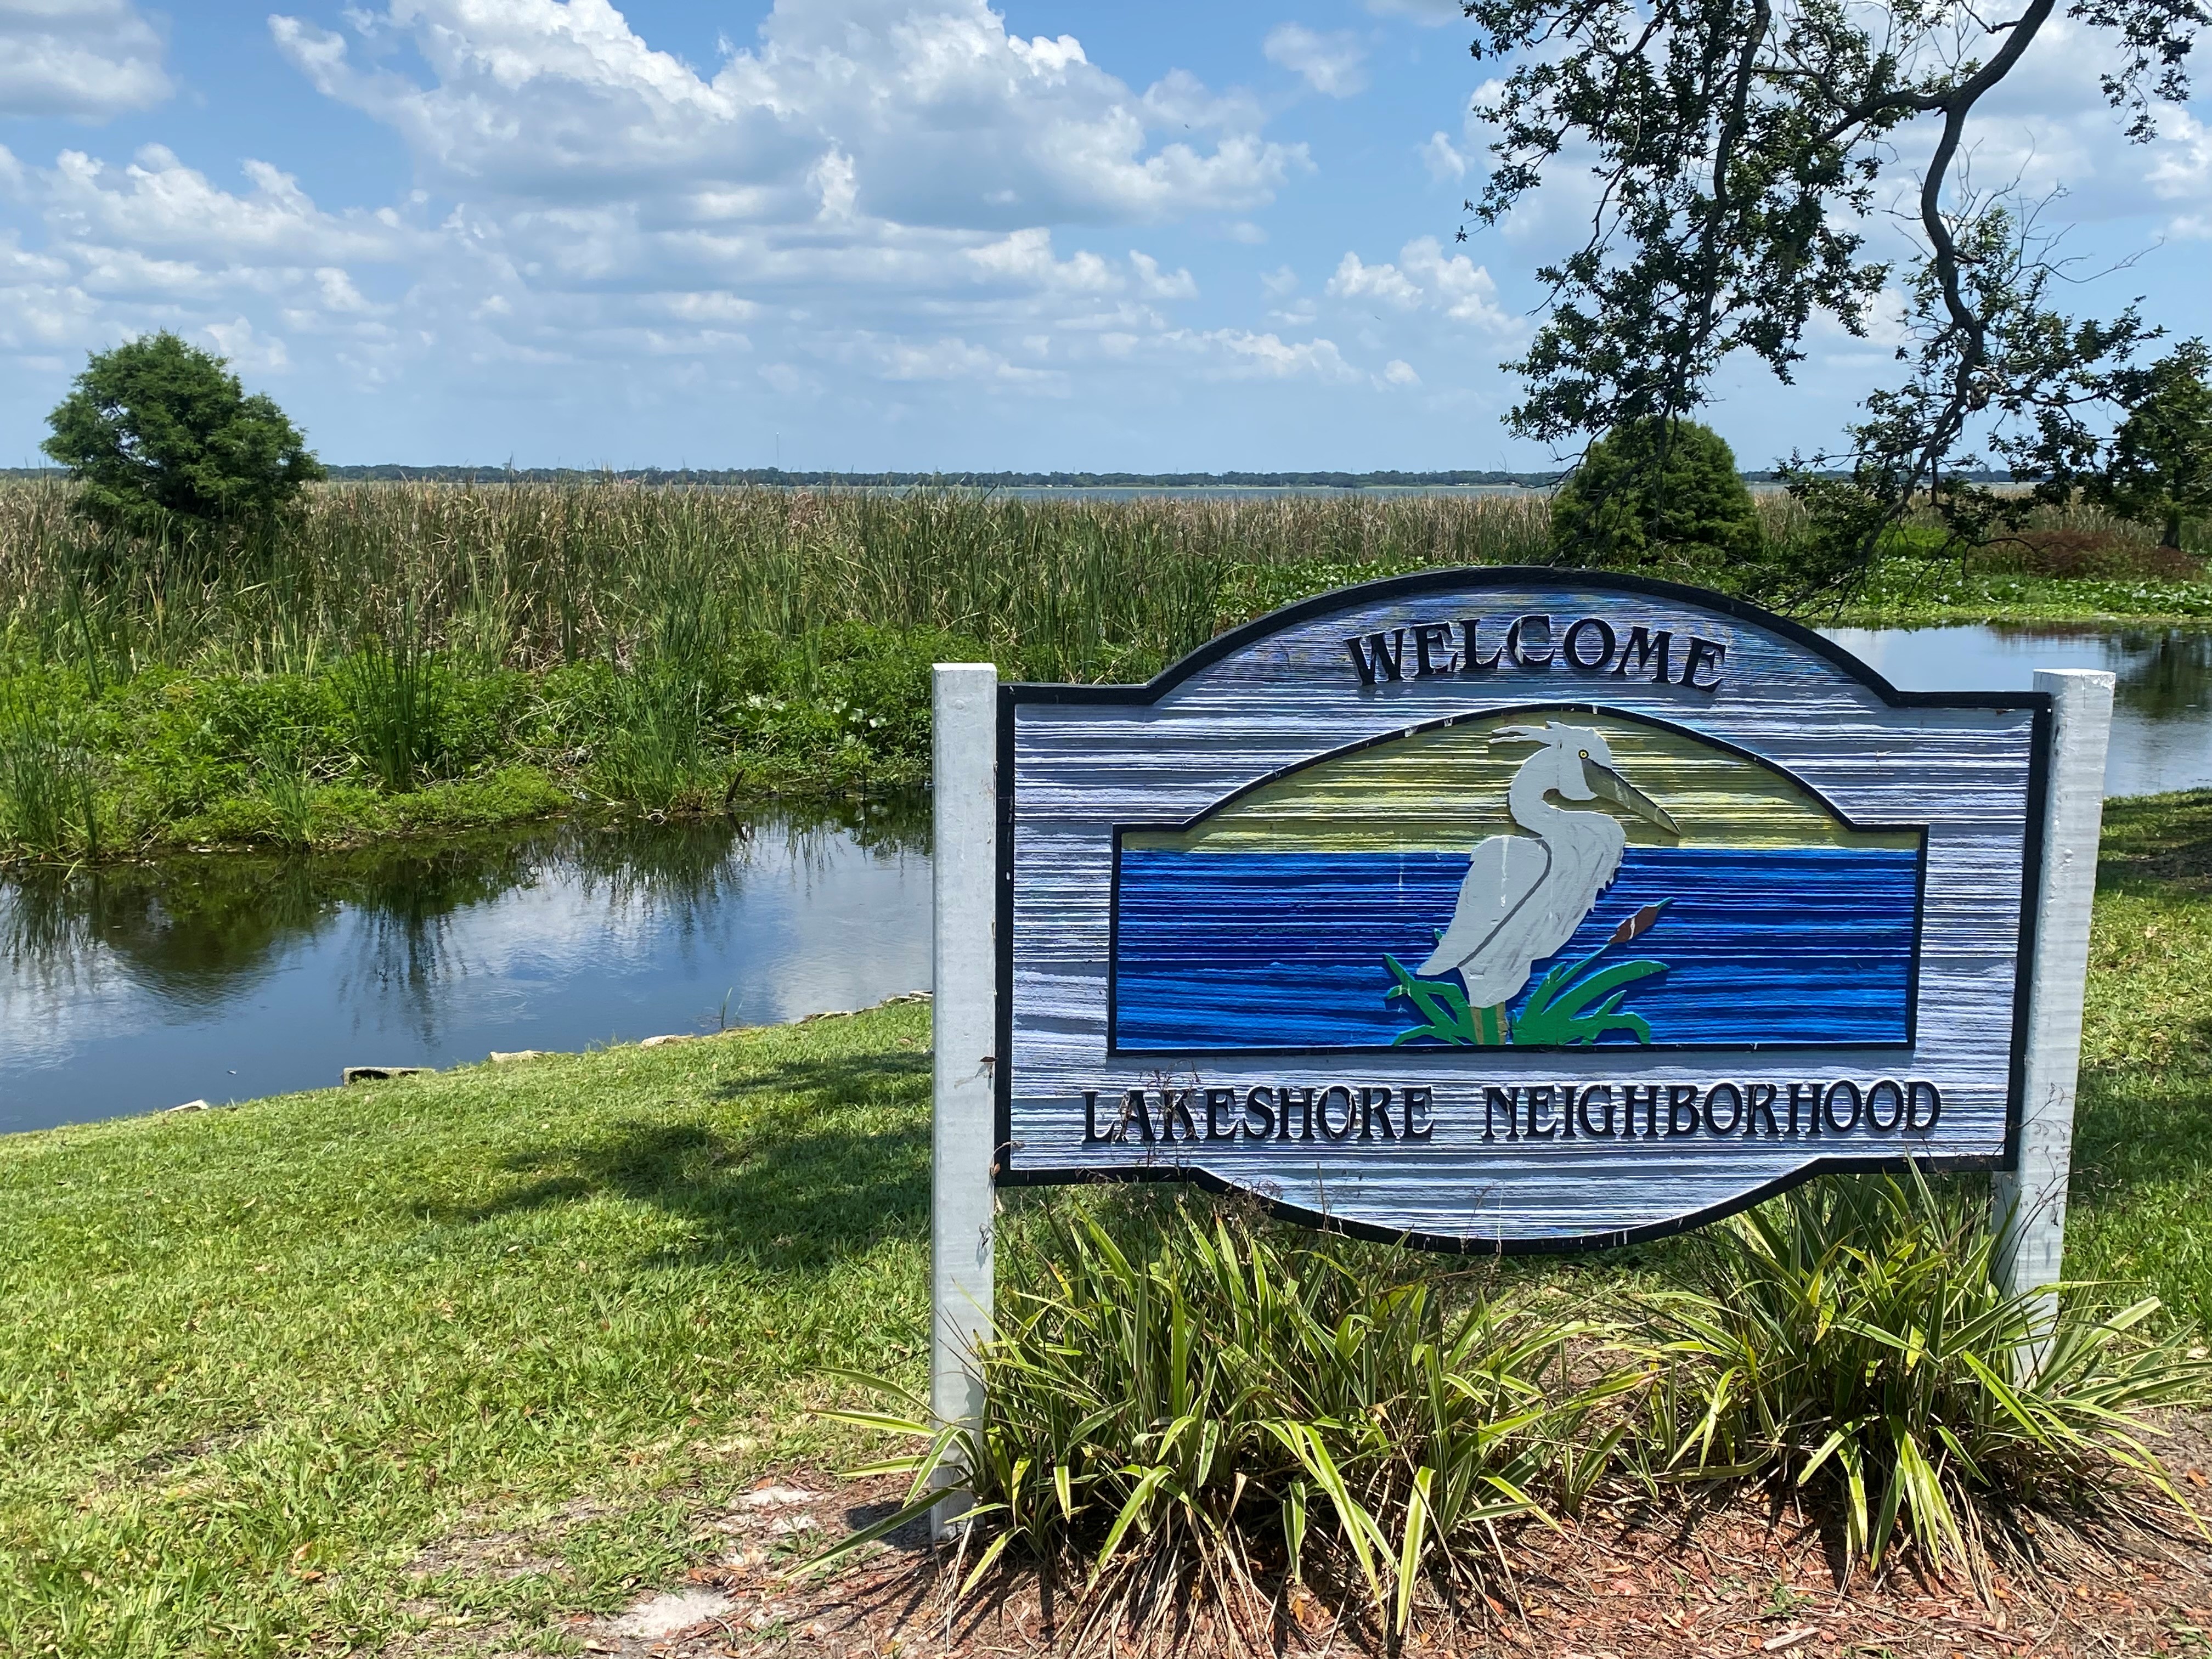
[[2030, 1198], [964, 756]]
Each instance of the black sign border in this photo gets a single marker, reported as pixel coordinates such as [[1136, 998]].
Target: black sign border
[[1461, 578]]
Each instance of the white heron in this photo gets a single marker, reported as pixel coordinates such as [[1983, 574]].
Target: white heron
[[1524, 895]]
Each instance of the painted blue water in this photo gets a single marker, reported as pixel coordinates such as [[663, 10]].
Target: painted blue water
[[1284, 951]]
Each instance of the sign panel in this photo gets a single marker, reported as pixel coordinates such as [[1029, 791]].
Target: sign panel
[[1502, 910]]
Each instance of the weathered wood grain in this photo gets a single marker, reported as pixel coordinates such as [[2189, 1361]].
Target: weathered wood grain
[[1079, 769]]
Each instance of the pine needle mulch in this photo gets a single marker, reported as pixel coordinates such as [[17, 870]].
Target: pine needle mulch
[[1636, 1582]]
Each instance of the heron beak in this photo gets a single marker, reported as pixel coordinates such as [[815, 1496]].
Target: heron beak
[[1605, 781]]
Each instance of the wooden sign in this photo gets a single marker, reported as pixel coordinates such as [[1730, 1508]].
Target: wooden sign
[[1503, 910]]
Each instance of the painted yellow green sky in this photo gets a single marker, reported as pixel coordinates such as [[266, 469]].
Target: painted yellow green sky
[[1444, 790]]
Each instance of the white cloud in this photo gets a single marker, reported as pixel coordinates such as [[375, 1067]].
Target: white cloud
[[1398, 372], [1240, 353], [1157, 284], [1443, 159], [1331, 63], [86, 58], [1384, 284], [936, 114], [250, 351], [1424, 279]]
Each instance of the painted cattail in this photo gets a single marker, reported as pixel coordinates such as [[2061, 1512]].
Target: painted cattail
[[1639, 923]]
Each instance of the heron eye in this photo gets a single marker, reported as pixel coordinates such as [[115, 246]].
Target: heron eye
[[1585, 754]]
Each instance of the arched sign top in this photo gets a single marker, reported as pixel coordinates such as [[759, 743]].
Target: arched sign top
[[1511, 909], [1596, 656]]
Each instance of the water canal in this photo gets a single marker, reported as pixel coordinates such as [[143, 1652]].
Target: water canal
[[136, 988]]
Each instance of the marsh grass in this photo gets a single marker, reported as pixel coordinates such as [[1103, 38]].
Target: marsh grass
[[393, 689], [665, 649], [48, 806]]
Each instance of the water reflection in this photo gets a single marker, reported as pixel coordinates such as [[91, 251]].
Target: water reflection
[[2162, 712], [136, 987]]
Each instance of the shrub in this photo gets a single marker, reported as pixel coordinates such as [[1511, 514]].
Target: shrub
[[1178, 1405], [1854, 1333], [158, 431], [2159, 470], [1657, 495]]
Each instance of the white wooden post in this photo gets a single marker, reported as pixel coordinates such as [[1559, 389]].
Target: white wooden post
[[2031, 1197], [963, 759]]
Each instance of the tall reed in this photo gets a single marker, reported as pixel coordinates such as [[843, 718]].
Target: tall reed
[[47, 806], [538, 575]]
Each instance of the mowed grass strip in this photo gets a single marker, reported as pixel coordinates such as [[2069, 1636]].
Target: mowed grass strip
[[253, 1361], [484, 1345], [2142, 1198]]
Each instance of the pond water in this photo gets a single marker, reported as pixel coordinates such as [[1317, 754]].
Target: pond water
[[224, 977], [2162, 707]]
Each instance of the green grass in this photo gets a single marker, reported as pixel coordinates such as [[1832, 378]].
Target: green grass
[[313, 1335], [401, 657], [2142, 1190]]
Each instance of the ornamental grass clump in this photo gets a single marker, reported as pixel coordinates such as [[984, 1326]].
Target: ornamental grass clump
[[1195, 1403], [1853, 1337]]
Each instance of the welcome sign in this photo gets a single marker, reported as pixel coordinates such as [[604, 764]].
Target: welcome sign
[[1495, 910]]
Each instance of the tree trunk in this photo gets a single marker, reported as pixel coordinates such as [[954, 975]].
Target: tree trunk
[[2172, 537]]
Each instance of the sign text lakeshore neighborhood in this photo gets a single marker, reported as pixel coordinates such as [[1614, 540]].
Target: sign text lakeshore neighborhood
[[1338, 1112]]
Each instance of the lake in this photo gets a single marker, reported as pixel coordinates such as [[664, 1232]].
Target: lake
[[225, 976]]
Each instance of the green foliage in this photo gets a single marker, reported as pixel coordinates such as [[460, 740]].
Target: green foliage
[[157, 430], [1177, 1403], [1658, 495], [2160, 467], [1186, 1397], [394, 694], [1853, 1334], [1734, 150], [47, 806]]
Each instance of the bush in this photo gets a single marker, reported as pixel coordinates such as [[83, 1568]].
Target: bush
[[1169, 1407], [1194, 1401], [1854, 1333], [1656, 495], [158, 431]]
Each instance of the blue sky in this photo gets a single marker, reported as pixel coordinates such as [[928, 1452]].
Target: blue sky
[[871, 233]]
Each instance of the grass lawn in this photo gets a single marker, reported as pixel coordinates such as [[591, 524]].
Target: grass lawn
[[282, 1378], [253, 1361]]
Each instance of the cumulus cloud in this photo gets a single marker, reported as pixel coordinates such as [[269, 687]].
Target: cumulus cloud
[[1443, 159], [936, 114], [1330, 64], [1237, 353], [1423, 279], [86, 58]]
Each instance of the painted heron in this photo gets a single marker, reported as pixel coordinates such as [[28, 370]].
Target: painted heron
[[1524, 895]]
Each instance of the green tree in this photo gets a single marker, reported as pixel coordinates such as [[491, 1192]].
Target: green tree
[[157, 430], [1656, 492], [2160, 469], [1739, 151]]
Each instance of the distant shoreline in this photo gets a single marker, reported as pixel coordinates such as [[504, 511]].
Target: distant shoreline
[[1073, 482]]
